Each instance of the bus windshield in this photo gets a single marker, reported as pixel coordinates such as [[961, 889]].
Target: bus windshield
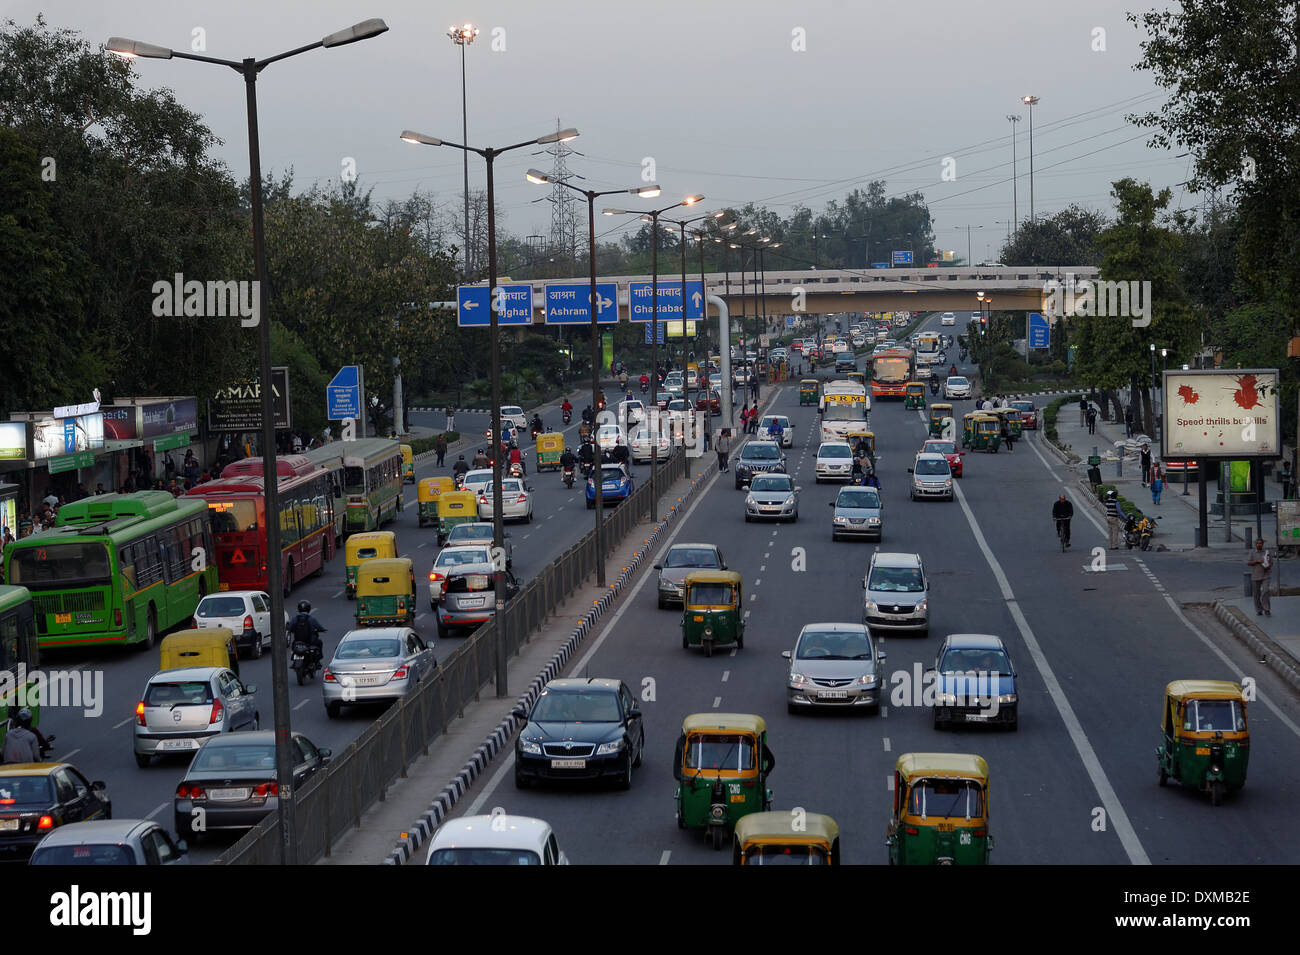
[[354, 480], [845, 412], [891, 369], [70, 564], [231, 517]]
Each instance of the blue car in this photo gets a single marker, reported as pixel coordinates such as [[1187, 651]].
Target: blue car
[[976, 682], [616, 485]]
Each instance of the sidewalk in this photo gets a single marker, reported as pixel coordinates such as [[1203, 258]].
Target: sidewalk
[[1276, 638], [1177, 511]]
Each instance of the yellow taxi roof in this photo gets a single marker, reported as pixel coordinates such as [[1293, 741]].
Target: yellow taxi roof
[[197, 638], [723, 723], [30, 769], [779, 828], [1204, 690], [958, 765], [712, 577]]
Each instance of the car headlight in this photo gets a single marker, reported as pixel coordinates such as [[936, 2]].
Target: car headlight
[[867, 680], [750, 502], [873, 520], [923, 606], [948, 699], [797, 679], [1007, 698], [841, 520], [607, 749], [947, 482], [871, 606], [532, 749]]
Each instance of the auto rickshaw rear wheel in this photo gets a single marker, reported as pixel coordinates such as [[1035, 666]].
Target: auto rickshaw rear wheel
[[1216, 793], [1164, 776], [716, 835], [708, 648]]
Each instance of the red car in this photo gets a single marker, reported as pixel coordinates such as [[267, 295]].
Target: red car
[[948, 449], [796, 345], [1028, 414], [713, 403]]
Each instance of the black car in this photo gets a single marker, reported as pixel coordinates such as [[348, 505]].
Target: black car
[[757, 457], [37, 798], [586, 729]]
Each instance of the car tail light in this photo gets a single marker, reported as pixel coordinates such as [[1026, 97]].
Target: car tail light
[[45, 822], [266, 789], [194, 623], [980, 833], [401, 673], [434, 577], [191, 791], [482, 499], [361, 607], [329, 677], [248, 621], [522, 499], [218, 711], [139, 713]]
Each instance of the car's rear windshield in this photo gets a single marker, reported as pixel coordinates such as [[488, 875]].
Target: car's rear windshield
[[246, 757], [190, 693], [368, 648], [611, 474], [691, 557], [468, 532], [221, 607], [19, 791], [462, 583], [465, 855], [83, 855], [457, 556], [1023, 405], [958, 381], [560, 706], [903, 580]]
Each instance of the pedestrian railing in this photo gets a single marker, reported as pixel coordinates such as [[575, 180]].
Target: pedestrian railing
[[333, 802]]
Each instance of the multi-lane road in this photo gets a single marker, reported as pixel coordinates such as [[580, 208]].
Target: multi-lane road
[[1093, 650]]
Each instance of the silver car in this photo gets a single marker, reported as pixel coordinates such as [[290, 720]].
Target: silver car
[[772, 496], [834, 664], [858, 512], [896, 594], [643, 441], [448, 559], [931, 477], [680, 560], [478, 533], [110, 842], [956, 386], [373, 664], [182, 708], [469, 598]]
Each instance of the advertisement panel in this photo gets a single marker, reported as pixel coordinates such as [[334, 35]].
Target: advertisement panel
[[52, 437], [238, 407], [173, 416], [120, 423], [1221, 413], [13, 441]]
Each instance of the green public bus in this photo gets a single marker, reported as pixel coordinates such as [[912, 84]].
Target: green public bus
[[330, 457], [372, 482], [19, 655], [116, 568]]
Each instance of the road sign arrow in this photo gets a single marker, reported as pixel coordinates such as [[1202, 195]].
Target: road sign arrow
[[603, 303], [696, 298], [469, 304]]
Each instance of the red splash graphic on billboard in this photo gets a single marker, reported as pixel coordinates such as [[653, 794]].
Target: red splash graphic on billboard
[[1188, 394], [1247, 394]]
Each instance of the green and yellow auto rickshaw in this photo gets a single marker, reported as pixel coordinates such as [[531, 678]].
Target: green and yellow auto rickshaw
[[793, 837], [361, 547], [857, 376], [386, 592], [455, 507], [721, 766], [711, 610], [550, 447], [408, 463], [914, 395], [938, 411], [1205, 739], [1011, 416], [941, 810], [808, 391], [981, 431], [427, 493]]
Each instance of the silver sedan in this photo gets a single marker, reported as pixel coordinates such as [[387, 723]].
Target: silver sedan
[[643, 440], [835, 664], [516, 501], [375, 664]]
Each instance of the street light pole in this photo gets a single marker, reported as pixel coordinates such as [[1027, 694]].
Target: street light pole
[[285, 756], [1015, 212], [463, 36], [1031, 101]]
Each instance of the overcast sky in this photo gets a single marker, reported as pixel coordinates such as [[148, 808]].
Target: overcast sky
[[713, 91]]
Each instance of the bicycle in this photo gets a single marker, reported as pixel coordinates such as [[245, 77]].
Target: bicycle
[[1061, 526]]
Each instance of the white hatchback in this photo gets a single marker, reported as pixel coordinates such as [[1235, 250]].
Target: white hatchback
[[477, 480], [245, 613], [948, 319], [834, 461]]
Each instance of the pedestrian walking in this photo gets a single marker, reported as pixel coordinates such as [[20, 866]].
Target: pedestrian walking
[[451, 418], [1261, 568], [1083, 410], [1092, 420], [1128, 421], [1287, 479], [1157, 484], [1144, 461], [1008, 436], [723, 446], [1113, 517], [440, 448]]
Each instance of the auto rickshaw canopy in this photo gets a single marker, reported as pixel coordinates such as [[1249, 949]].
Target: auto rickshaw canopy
[[916, 388], [724, 723], [939, 410], [810, 383], [458, 504], [378, 543], [550, 441], [947, 765], [1182, 690], [776, 828], [988, 422], [698, 578], [386, 575], [430, 488]]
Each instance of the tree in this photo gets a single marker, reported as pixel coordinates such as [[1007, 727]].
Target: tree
[[1067, 238]]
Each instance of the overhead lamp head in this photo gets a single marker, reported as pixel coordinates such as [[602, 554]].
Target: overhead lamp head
[[648, 192], [691, 200], [537, 177], [358, 31], [129, 49], [563, 136], [420, 139]]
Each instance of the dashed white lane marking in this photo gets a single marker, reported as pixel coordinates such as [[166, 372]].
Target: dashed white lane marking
[[118, 726], [338, 595], [757, 581], [159, 808], [763, 568], [68, 755], [733, 652], [726, 675], [422, 546], [663, 859], [887, 745], [753, 596], [717, 701], [889, 782], [301, 705]]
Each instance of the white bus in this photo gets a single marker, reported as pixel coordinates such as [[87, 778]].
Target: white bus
[[928, 346]]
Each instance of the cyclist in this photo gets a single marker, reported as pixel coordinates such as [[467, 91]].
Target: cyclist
[[1062, 511]]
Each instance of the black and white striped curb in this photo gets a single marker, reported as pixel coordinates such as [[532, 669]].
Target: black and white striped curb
[[1266, 651], [500, 737], [454, 411]]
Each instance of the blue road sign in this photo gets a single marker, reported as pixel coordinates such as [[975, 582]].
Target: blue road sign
[[516, 305], [789, 321], [641, 300], [1040, 333], [901, 257], [343, 395], [880, 265], [662, 326], [570, 303]]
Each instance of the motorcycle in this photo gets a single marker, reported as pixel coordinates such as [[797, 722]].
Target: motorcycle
[[568, 416], [934, 386], [1132, 536], [568, 478], [536, 431], [962, 354], [306, 661], [645, 387], [1146, 528], [516, 469], [47, 745], [459, 479], [586, 469]]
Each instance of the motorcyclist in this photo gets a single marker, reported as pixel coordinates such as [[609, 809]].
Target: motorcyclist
[[587, 416], [567, 461], [538, 427], [645, 382], [22, 745], [952, 371], [622, 380], [871, 480], [1062, 511], [566, 408], [775, 430], [461, 467], [307, 629], [586, 456], [517, 457], [480, 459]]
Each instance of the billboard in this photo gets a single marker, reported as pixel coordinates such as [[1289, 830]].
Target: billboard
[[119, 422], [238, 407], [1222, 414], [173, 416], [53, 437], [13, 441]]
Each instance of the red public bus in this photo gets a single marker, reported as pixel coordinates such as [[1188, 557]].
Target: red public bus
[[237, 503], [890, 372]]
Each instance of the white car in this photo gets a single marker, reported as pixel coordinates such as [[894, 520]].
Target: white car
[[956, 387], [787, 429], [514, 415], [609, 436], [834, 461], [516, 502], [643, 442], [840, 346], [245, 613], [858, 339], [631, 413], [448, 559], [948, 319], [477, 480], [495, 840]]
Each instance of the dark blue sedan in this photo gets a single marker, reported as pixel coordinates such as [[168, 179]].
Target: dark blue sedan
[[616, 485]]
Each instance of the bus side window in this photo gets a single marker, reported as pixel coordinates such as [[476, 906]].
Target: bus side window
[[126, 564], [8, 641]]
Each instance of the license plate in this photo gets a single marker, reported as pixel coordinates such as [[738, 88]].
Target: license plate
[[171, 745], [228, 795], [63, 618], [739, 798], [976, 717], [1202, 751], [369, 679], [472, 602], [832, 694], [568, 764], [9, 825]]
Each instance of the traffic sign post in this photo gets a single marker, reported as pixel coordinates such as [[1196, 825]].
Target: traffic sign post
[[343, 394], [515, 305], [640, 299], [1039, 334], [901, 257], [662, 325], [569, 303]]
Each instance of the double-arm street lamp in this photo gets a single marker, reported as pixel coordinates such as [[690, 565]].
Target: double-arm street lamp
[[490, 154], [285, 756], [598, 473]]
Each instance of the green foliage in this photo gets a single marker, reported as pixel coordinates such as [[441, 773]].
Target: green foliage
[[1051, 412], [1068, 238]]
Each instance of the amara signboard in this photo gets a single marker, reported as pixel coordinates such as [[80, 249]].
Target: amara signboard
[[238, 407]]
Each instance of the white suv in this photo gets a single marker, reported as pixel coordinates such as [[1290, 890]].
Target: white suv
[[948, 319], [931, 477], [245, 613]]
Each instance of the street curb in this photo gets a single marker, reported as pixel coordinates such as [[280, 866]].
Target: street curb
[[477, 765], [1267, 651]]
